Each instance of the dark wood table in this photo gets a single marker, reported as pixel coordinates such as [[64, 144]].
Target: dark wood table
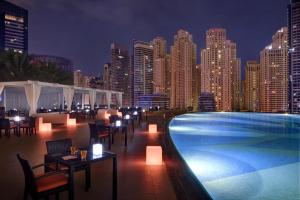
[[78, 163]]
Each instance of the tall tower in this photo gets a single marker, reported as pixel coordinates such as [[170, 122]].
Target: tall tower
[[274, 74], [142, 70], [251, 92], [13, 27], [220, 70], [183, 62], [294, 55], [120, 66], [159, 64], [107, 76]]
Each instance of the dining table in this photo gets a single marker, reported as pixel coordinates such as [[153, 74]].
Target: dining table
[[73, 162]]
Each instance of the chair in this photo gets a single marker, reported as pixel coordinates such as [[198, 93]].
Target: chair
[[99, 132], [42, 186], [62, 147], [29, 126], [7, 126], [113, 118], [56, 147]]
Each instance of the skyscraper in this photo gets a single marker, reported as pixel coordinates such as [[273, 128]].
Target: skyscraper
[[220, 70], [294, 55], [274, 74], [107, 76], [13, 27], [159, 64], [120, 66], [142, 70], [251, 92], [183, 63]]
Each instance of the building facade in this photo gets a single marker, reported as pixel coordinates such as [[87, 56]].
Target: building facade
[[13, 27], [294, 55], [252, 84], [221, 70], [81, 80], [159, 64], [159, 100], [142, 70], [183, 64], [207, 102], [274, 74], [120, 71], [107, 76]]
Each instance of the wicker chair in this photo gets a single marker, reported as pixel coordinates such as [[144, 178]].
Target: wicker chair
[[45, 185]]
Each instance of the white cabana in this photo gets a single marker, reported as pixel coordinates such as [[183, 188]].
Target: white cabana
[[33, 91]]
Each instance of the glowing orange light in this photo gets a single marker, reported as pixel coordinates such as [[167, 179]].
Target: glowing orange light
[[119, 114], [153, 155], [44, 126], [106, 115], [71, 122], [152, 128]]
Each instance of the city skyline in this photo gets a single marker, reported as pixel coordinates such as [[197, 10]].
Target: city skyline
[[91, 53]]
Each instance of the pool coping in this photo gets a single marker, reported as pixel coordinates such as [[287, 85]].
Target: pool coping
[[186, 184]]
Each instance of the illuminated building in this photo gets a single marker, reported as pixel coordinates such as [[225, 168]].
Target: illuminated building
[[207, 102], [159, 64], [120, 65], [274, 74], [251, 92], [13, 27], [183, 64], [220, 70], [294, 55], [107, 76], [142, 70]]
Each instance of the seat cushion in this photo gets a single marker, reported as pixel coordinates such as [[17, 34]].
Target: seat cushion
[[50, 182]]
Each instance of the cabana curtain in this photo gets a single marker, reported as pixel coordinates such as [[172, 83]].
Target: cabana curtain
[[68, 95], [32, 92]]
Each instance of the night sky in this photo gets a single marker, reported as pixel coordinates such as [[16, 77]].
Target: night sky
[[82, 30]]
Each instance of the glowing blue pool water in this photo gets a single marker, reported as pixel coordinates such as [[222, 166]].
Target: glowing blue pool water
[[241, 155]]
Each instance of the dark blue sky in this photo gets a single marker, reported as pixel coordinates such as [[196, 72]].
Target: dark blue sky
[[82, 30]]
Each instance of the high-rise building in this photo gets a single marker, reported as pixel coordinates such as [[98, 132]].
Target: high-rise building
[[142, 70], [107, 76], [13, 27], [221, 70], [207, 102], [120, 69], [274, 74], [80, 80], [168, 75], [252, 83], [294, 55], [159, 64], [183, 64]]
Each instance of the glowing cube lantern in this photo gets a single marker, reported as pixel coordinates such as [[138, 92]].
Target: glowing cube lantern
[[152, 128], [17, 118], [127, 116], [135, 113], [97, 149], [44, 126], [153, 155], [118, 123], [71, 122]]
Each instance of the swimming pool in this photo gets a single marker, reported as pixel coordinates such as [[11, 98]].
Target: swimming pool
[[241, 155]]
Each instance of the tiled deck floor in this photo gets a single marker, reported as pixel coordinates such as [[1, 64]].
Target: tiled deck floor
[[135, 179]]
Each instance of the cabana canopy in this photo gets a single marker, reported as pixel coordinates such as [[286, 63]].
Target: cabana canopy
[[33, 91]]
